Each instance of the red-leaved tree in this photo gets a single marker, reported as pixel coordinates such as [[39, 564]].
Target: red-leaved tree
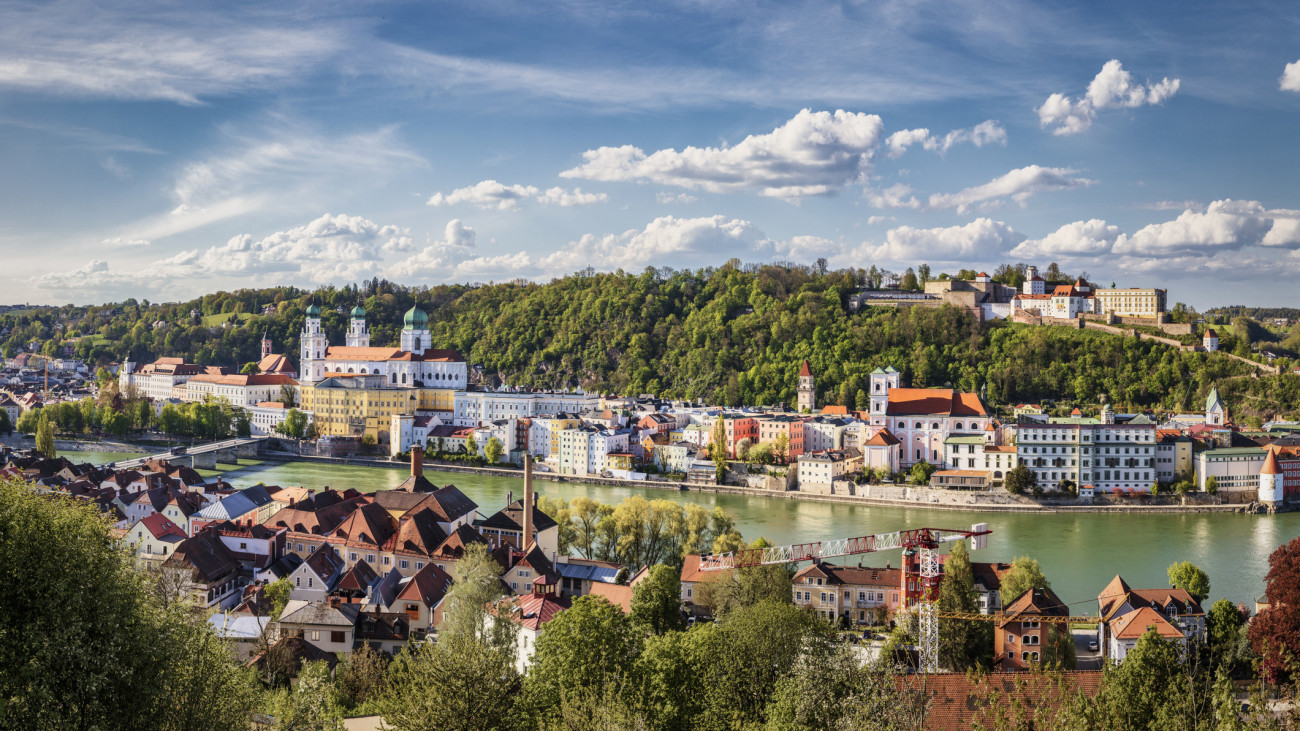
[[1275, 633]]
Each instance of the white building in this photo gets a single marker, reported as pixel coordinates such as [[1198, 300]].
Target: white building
[[477, 407], [1109, 453], [922, 418], [414, 363], [159, 379], [240, 389], [265, 416]]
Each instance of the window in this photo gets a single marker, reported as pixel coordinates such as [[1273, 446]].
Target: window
[[514, 586], [404, 563], [297, 581], [370, 558], [689, 592], [388, 560], [315, 635], [823, 597], [337, 636], [352, 557], [310, 582]]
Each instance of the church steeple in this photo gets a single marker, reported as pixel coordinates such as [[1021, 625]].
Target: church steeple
[[358, 333], [807, 389], [266, 342]]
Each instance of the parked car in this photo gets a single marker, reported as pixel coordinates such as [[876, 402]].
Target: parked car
[[1092, 646]]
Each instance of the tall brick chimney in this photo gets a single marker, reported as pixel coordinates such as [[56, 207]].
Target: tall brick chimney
[[417, 461], [528, 502]]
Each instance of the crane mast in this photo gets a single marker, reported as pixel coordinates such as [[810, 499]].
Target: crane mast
[[919, 594]]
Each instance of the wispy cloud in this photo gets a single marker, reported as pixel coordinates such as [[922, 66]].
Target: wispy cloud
[[128, 51], [1018, 185]]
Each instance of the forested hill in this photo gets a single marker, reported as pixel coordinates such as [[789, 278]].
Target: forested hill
[[732, 335]]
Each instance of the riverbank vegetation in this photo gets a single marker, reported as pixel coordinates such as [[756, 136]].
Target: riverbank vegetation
[[733, 335]]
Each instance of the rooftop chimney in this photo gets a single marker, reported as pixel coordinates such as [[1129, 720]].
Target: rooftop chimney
[[417, 461], [528, 502]]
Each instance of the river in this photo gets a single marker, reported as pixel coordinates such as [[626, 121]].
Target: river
[[1079, 552]]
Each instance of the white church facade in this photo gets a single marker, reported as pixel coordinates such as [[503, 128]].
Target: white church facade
[[414, 363]]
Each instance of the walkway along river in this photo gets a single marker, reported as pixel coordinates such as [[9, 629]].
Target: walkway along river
[[1079, 552]]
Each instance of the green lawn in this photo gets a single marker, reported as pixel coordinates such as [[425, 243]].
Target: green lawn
[[216, 320]]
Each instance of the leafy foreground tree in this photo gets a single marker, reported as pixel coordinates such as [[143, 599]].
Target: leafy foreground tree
[[467, 680], [1189, 577], [747, 587], [110, 657], [1025, 574], [962, 644], [455, 685], [1275, 632], [310, 706], [829, 688], [656, 601], [585, 647], [45, 435]]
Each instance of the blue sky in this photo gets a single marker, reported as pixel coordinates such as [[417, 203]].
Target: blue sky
[[159, 150]]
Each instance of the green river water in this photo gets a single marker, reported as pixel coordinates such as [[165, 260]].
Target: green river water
[[1079, 552]]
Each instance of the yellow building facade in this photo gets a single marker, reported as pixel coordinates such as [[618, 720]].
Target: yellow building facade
[[1130, 302], [357, 406]]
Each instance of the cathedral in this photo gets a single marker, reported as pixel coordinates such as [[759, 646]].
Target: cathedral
[[414, 363]]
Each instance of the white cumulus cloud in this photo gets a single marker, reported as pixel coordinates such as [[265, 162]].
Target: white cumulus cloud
[[1290, 80], [1018, 185], [457, 245], [897, 195], [667, 240], [1112, 87], [486, 194], [565, 198], [985, 133], [1080, 238], [814, 153], [980, 240], [490, 194]]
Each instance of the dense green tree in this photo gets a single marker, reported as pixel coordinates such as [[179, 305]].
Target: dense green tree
[[294, 424], [471, 444], [1189, 577], [718, 447], [657, 599], [830, 688], [921, 472], [742, 657], [476, 593], [311, 704], [455, 684], [1025, 574], [585, 646], [111, 657], [962, 644], [747, 587], [29, 421], [45, 435], [6, 426], [493, 450], [1020, 480]]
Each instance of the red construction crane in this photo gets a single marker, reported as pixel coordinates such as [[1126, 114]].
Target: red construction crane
[[920, 567]]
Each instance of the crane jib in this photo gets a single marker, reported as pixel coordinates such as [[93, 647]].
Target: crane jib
[[929, 538]]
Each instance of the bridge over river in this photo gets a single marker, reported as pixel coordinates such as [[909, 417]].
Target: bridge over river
[[206, 456]]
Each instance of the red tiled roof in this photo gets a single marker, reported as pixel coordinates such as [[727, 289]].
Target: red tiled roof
[[1135, 624], [957, 700], [240, 379], [805, 370], [933, 402], [837, 410], [883, 438], [159, 525], [536, 610]]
